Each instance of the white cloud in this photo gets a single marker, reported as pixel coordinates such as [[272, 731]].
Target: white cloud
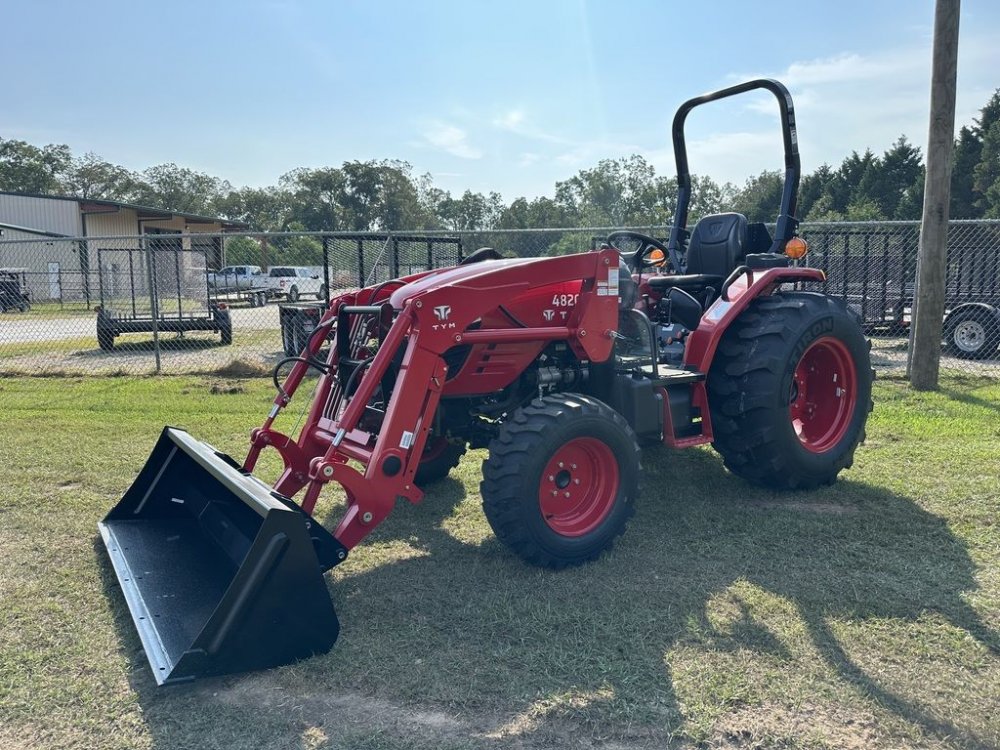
[[452, 140], [528, 158], [510, 120]]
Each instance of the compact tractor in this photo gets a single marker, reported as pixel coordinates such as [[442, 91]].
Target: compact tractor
[[561, 367]]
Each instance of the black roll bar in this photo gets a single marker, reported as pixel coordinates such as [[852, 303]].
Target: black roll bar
[[786, 223]]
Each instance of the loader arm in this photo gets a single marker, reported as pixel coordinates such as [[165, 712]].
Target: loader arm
[[430, 315]]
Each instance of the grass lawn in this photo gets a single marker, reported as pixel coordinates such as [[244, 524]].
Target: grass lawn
[[866, 614]]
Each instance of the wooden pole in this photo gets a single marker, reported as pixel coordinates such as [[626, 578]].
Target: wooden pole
[[929, 300]]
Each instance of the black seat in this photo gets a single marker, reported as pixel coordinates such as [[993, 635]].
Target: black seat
[[718, 244]]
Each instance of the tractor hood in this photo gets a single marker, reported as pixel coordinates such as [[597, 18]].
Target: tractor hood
[[454, 277]]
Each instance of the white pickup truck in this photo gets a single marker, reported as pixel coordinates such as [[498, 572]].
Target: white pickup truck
[[293, 282], [235, 278]]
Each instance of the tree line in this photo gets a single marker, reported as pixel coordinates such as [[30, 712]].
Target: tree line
[[387, 195]]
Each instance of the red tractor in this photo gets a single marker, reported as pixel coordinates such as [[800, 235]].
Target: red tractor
[[561, 367]]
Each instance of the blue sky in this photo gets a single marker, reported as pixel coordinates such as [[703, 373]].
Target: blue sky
[[508, 96]]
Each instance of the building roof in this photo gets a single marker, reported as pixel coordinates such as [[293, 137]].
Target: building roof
[[29, 230], [94, 205]]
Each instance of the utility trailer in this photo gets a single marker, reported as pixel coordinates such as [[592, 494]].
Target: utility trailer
[[156, 290], [298, 321], [873, 268]]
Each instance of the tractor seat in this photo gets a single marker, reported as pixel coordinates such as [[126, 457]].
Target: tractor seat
[[717, 246]]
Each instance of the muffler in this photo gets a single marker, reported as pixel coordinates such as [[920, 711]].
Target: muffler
[[220, 573]]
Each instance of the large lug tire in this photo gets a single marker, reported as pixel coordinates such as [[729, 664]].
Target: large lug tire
[[561, 480], [972, 333], [441, 455], [790, 391]]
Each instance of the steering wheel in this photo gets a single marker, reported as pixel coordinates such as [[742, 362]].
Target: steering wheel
[[641, 258]]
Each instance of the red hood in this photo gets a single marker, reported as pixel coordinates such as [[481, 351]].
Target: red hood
[[452, 276]]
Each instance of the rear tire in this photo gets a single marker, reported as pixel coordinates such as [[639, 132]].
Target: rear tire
[[581, 450], [790, 391]]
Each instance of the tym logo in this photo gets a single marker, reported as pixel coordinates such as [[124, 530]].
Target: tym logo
[[442, 312], [548, 314]]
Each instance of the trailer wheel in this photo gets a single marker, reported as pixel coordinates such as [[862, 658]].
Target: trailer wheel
[[972, 332], [321, 294], [790, 391], [561, 479], [105, 338], [225, 322], [440, 456], [293, 294]]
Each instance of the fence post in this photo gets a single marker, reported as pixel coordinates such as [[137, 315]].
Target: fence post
[[924, 360], [326, 267], [151, 277], [395, 259], [361, 262]]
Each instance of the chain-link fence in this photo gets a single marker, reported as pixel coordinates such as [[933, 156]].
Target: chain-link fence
[[237, 303]]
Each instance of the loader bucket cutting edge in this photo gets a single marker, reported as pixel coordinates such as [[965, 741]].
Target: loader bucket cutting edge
[[220, 573]]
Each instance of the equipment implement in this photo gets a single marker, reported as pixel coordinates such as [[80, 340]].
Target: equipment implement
[[560, 366]]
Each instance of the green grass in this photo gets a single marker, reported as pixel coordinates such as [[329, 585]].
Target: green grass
[[866, 614]]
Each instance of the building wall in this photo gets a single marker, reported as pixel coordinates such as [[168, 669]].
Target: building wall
[[35, 253], [47, 214], [120, 223]]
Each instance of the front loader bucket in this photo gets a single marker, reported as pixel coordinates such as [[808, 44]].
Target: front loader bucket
[[219, 573]]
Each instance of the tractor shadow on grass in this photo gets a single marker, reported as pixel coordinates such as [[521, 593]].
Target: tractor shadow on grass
[[510, 656]]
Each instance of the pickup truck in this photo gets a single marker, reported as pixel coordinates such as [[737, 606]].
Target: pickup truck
[[234, 278], [293, 282]]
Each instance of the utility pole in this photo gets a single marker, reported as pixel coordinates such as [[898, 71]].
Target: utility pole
[[928, 313]]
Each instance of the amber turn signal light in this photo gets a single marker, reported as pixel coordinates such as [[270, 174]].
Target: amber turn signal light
[[796, 248]]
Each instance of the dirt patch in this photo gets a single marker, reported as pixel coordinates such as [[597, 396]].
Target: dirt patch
[[312, 714], [225, 389], [777, 726]]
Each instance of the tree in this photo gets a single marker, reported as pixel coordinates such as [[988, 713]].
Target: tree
[[263, 209], [174, 188], [760, 197], [968, 152], [28, 169], [315, 197], [986, 175], [887, 180], [91, 177]]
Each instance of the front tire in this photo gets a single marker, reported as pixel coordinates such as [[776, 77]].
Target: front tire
[[561, 480], [440, 456], [790, 391]]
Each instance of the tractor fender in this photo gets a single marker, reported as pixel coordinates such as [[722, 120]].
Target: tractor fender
[[704, 340]]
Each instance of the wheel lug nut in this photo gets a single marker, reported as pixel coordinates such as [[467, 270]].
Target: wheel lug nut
[[567, 494], [555, 492], [576, 481], [561, 464], [572, 466], [551, 478]]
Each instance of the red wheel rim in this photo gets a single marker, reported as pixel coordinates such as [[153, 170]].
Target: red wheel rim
[[824, 392], [578, 487], [434, 448]]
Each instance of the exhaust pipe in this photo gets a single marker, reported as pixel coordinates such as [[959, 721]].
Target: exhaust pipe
[[220, 573]]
